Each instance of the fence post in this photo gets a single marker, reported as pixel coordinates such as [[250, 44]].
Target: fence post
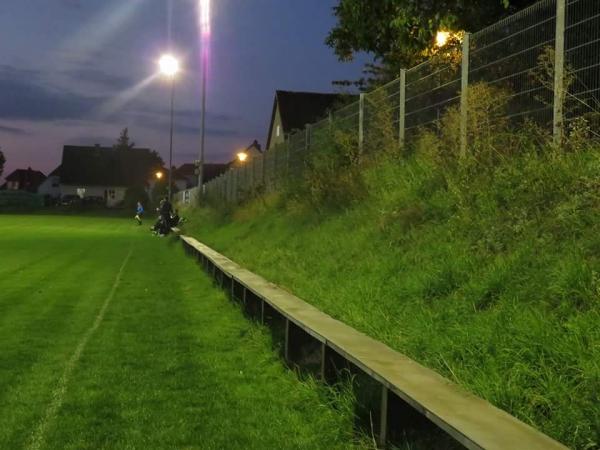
[[307, 131], [559, 69], [253, 174], [236, 184], [263, 160], [287, 158], [361, 122], [402, 110], [223, 189], [464, 89]]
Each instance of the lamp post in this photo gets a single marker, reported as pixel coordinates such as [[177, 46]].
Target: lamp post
[[205, 36], [169, 66]]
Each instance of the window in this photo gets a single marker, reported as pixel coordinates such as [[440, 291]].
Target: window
[[278, 130]]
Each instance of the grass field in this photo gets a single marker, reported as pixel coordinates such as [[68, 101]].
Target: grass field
[[112, 338], [490, 277]]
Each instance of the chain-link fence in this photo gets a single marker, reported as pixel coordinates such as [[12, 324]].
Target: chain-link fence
[[544, 61]]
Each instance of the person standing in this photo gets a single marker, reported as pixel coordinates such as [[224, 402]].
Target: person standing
[[165, 216], [138, 213]]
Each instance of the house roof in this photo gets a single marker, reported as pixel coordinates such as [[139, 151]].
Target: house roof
[[26, 175], [28, 179], [185, 170], [299, 108], [55, 172], [210, 171], [213, 171], [254, 145], [106, 166]]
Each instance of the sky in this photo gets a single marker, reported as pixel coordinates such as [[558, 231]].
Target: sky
[[76, 72]]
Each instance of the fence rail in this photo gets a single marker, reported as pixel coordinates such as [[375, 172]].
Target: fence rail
[[544, 59]]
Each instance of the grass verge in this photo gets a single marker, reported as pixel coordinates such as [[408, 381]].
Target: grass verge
[[489, 275]]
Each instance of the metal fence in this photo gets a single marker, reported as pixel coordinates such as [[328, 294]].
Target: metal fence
[[545, 59]]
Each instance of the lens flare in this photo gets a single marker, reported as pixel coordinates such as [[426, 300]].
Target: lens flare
[[205, 17], [120, 101], [169, 66]]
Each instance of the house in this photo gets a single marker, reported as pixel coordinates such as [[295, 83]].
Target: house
[[50, 187], [293, 110], [187, 174], [24, 180], [104, 172]]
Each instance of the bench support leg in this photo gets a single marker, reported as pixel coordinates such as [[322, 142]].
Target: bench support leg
[[287, 340], [383, 418]]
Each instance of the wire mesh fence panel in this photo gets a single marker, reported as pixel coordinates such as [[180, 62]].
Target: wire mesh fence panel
[[582, 59], [320, 139], [297, 154], [383, 103], [431, 88], [347, 118], [516, 62], [381, 116], [509, 55]]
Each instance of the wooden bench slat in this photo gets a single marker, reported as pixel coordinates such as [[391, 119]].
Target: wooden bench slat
[[471, 420]]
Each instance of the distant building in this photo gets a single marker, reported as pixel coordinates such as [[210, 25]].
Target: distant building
[[293, 110], [186, 174], [24, 180], [104, 172], [50, 187]]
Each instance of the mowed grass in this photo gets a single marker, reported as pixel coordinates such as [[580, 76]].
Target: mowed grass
[[168, 363]]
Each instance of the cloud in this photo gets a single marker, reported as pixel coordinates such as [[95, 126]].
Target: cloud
[[13, 131], [27, 95], [76, 4], [187, 121], [99, 77], [24, 96]]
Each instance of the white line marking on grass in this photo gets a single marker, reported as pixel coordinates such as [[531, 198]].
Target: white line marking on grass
[[37, 439]]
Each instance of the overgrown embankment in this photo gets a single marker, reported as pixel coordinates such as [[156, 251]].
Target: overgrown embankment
[[487, 272]]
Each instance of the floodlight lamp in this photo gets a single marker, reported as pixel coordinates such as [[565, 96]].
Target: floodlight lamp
[[169, 66]]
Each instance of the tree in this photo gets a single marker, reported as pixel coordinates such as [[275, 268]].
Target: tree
[[2, 161], [398, 33], [123, 141]]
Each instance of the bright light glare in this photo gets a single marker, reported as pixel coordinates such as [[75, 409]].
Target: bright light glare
[[159, 175], [169, 66], [242, 156], [441, 38], [205, 17]]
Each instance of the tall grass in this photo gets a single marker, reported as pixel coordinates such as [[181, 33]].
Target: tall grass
[[486, 269]]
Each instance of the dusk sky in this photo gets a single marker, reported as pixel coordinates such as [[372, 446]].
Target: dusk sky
[[78, 71]]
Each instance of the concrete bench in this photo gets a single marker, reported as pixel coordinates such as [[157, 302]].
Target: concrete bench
[[470, 420]]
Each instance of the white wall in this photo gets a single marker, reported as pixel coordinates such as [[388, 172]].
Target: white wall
[[50, 186], [97, 191]]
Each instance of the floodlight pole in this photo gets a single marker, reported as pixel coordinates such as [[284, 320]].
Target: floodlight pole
[[171, 137], [203, 124]]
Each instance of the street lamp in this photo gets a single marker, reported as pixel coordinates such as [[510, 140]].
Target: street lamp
[[441, 38], [242, 156], [169, 66], [158, 175]]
